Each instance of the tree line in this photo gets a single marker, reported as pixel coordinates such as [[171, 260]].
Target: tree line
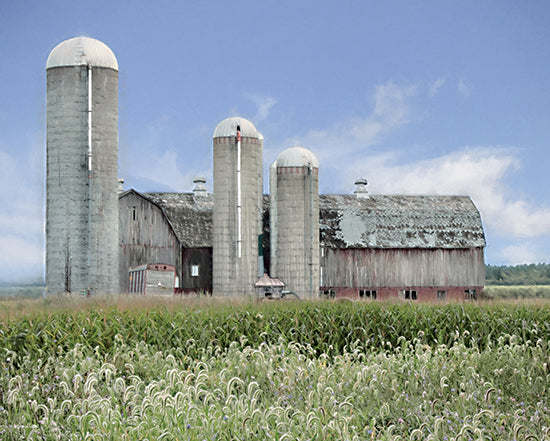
[[528, 274]]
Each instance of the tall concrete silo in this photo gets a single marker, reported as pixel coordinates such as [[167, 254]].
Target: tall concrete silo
[[238, 185], [295, 221], [82, 166]]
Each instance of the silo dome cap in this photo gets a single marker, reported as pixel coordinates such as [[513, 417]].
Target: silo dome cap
[[297, 157], [228, 127], [81, 51]]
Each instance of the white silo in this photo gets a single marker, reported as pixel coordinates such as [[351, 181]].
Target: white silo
[[295, 221], [238, 185], [82, 165]]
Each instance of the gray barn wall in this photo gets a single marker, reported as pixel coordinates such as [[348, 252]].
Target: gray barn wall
[[147, 239], [376, 268], [81, 233]]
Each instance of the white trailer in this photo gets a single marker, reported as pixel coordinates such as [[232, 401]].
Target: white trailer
[[157, 279]]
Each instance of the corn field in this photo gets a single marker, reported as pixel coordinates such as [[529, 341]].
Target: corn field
[[295, 371]]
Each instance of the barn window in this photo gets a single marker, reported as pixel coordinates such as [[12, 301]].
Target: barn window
[[367, 294], [328, 293], [410, 294], [133, 210], [470, 294], [442, 295], [194, 271]]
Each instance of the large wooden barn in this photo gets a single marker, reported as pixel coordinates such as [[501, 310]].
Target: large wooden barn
[[371, 247], [411, 247]]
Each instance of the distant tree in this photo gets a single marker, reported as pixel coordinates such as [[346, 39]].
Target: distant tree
[[527, 274]]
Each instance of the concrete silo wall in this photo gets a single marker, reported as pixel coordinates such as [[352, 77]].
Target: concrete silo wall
[[233, 275], [297, 229], [82, 207]]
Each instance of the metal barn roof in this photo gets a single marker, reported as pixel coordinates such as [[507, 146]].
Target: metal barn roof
[[190, 216], [377, 221], [400, 222]]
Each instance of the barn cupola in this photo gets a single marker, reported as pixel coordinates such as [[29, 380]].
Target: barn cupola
[[361, 190], [200, 188]]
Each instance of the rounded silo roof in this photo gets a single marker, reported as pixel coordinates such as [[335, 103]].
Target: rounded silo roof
[[82, 51], [228, 127], [297, 157]]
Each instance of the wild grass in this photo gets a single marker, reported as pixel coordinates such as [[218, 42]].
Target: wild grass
[[186, 369], [279, 391]]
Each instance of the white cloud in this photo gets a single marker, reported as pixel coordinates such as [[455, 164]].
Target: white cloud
[[392, 109], [166, 169], [520, 254], [436, 86], [392, 103], [20, 251], [22, 216], [480, 172], [477, 172], [463, 88], [264, 104], [165, 162]]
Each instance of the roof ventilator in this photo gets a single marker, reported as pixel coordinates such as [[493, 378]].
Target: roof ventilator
[[200, 187], [361, 190]]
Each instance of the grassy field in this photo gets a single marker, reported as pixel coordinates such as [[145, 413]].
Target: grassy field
[[498, 292], [492, 292], [21, 292], [135, 369]]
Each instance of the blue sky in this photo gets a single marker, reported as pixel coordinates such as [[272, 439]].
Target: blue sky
[[419, 97]]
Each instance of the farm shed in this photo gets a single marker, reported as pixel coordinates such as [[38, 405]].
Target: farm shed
[[173, 228], [412, 247]]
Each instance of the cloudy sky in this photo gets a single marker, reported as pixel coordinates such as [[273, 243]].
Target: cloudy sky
[[419, 97]]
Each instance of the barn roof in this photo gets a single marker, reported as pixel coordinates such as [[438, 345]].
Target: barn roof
[[346, 221], [190, 216], [396, 221]]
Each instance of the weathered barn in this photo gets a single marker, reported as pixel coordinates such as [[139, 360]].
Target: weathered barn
[[413, 247], [410, 247], [170, 228]]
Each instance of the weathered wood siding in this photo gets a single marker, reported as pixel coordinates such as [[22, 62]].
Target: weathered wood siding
[[202, 258], [145, 236], [377, 268]]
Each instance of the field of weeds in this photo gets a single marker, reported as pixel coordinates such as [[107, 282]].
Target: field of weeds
[[136, 369]]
